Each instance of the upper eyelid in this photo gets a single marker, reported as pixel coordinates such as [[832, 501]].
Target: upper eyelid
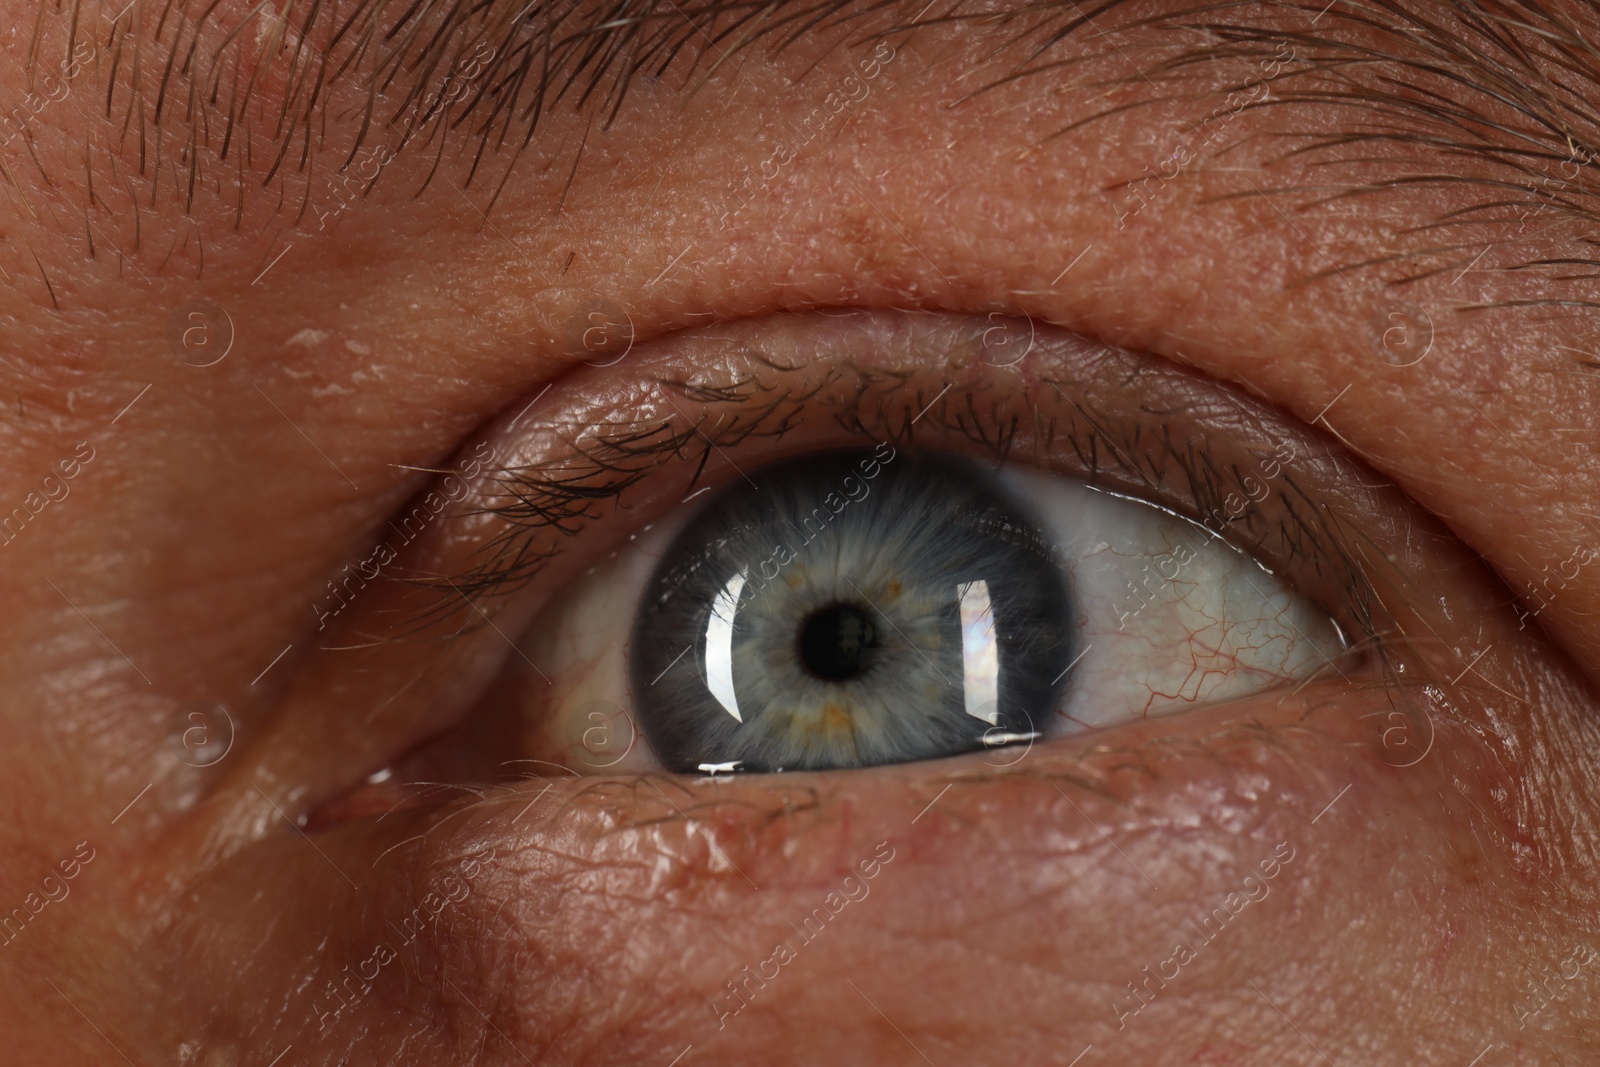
[[539, 504]]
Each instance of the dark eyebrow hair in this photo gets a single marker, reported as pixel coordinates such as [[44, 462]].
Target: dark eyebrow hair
[[1488, 104], [437, 76]]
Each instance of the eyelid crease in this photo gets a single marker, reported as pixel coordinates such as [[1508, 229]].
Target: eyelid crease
[[539, 509]]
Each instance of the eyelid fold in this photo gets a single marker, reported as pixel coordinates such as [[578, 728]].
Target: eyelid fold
[[605, 451], [1131, 423]]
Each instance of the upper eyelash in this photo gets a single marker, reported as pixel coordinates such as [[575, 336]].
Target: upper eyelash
[[563, 494]]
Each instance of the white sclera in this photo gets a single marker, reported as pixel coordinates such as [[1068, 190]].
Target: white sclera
[[1219, 628], [1169, 615], [580, 642]]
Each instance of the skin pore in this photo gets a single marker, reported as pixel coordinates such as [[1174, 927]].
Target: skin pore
[[1362, 228]]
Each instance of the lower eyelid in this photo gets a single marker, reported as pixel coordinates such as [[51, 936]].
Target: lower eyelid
[[566, 852]]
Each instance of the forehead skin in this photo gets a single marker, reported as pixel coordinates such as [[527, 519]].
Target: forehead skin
[[378, 329]]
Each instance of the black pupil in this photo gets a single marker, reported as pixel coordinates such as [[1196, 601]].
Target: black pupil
[[836, 643]]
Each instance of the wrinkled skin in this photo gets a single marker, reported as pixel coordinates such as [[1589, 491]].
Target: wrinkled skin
[[603, 918]]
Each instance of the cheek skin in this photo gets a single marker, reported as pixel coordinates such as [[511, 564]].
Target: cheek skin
[[1005, 924]]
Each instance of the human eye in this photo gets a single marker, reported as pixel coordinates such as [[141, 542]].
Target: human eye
[[885, 600], [526, 629], [398, 402]]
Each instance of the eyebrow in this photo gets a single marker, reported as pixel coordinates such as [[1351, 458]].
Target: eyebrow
[[1487, 99]]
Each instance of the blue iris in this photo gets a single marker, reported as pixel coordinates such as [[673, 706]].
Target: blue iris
[[846, 609]]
